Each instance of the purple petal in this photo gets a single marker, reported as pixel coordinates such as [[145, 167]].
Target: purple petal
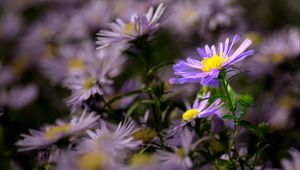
[[201, 52], [235, 39]]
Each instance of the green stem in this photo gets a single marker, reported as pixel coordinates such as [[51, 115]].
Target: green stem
[[145, 55], [157, 120], [231, 108], [122, 96]]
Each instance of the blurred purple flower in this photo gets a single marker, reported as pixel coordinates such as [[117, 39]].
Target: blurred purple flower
[[112, 142], [294, 163], [50, 134], [97, 75], [180, 155], [18, 97], [139, 25]]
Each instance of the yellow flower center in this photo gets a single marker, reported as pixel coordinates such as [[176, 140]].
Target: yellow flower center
[[75, 64], [19, 65], [140, 160], [277, 58], [55, 130], [129, 28], [187, 16], [214, 62], [189, 114], [88, 83], [92, 161], [180, 152], [145, 134]]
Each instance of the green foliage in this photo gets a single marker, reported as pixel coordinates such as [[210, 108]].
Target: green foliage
[[229, 116], [252, 128], [222, 164], [246, 100]]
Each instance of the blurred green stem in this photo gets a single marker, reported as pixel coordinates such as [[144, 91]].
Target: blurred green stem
[[144, 54]]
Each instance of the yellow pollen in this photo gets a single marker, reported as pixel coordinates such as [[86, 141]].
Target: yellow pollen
[[145, 134], [91, 161], [128, 29], [19, 65], [140, 160], [214, 62], [189, 114], [180, 152], [75, 64], [187, 15], [277, 58], [88, 83], [55, 130]]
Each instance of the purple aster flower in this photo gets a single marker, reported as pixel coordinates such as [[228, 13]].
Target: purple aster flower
[[213, 60], [50, 134], [18, 97], [139, 25], [113, 142], [180, 152], [201, 109]]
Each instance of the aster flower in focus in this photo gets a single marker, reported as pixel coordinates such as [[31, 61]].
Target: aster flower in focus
[[213, 61], [180, 154], [138, 26], [51, 134], [113, 142], [201, 109]]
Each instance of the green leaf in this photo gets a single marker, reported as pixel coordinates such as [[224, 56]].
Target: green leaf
[[222, 164], [229, 116], [252, 128], [243, 111], [261, 148], [210, 158], [132, 108], [165, 114], [232, 95]]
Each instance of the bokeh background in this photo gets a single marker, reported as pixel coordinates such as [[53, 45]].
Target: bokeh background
[[37, 35]]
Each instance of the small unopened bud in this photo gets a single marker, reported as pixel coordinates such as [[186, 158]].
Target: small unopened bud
[[246, 100]]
